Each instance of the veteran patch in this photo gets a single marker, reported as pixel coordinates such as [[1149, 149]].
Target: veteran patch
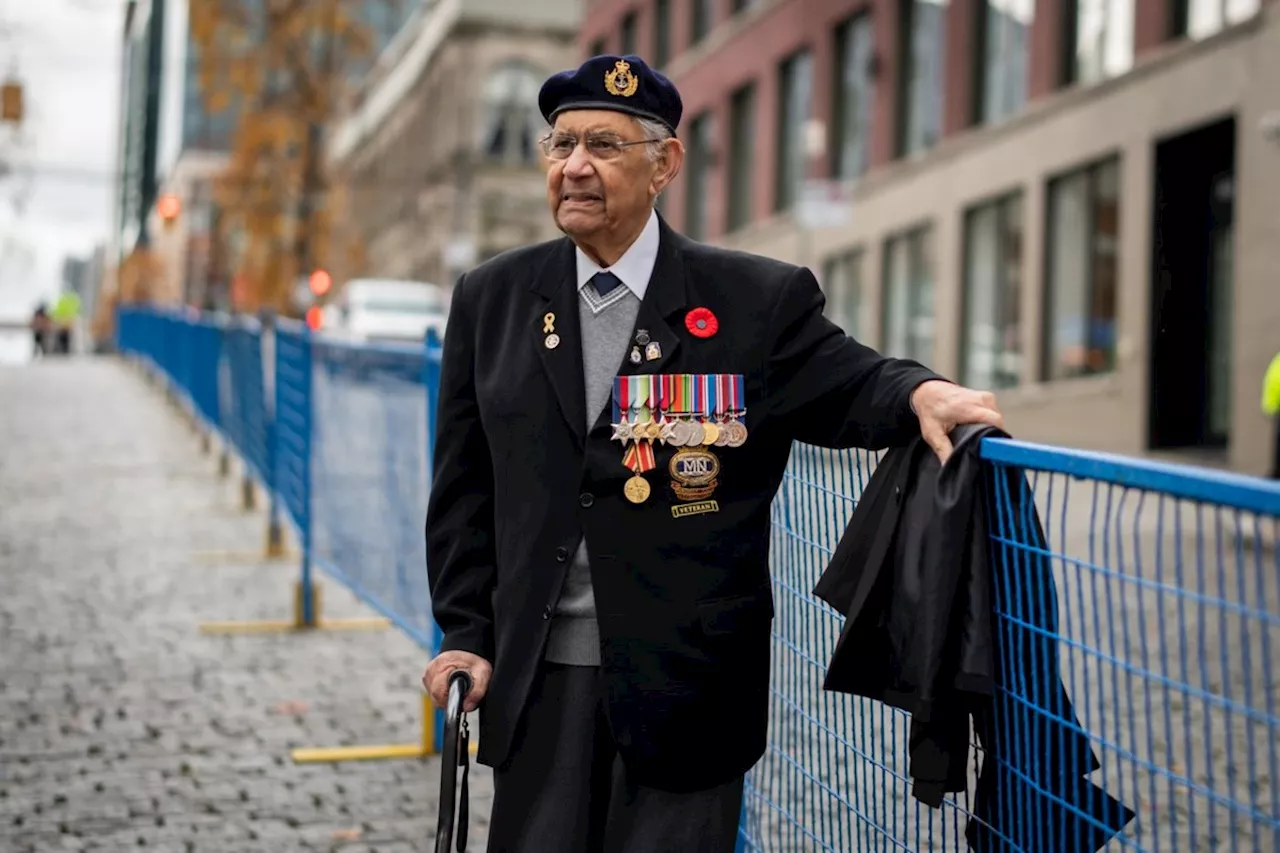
[[684, 510]]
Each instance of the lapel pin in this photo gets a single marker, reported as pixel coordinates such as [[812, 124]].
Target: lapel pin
[[635, 355], [549, 329], [642, 336], [653, 351]]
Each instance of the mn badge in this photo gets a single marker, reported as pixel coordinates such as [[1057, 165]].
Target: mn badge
[[693, 473]]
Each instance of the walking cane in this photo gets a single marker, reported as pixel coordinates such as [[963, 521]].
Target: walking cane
[[456, 753]]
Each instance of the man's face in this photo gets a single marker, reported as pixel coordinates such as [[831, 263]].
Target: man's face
[[599, 189]]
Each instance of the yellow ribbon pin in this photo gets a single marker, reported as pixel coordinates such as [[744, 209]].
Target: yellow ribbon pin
[[548, 323]]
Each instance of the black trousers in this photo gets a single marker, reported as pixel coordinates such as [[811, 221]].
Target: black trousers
[[565, 790]]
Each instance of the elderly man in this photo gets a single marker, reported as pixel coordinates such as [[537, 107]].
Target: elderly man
[[616, 412]]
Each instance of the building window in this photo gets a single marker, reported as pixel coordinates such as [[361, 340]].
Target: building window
[[661, 32], [851, 110], [597, 48], [1003, 27], [1098, 38], [628, 34], [842, 285], [1082, 272], [991, 347], [908, 295], [697, 182], [924, 35], [511, 116], [1199, 19], [742, 155], [795, 94], [704, 13]]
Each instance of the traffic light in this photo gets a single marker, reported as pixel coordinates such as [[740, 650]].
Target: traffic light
[[168, 206], [320, 281], [11, 103]]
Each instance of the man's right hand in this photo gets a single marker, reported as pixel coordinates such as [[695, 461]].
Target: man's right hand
[[436, 678]]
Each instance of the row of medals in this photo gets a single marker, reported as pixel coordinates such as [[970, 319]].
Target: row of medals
[[679, 432], [676, 432]]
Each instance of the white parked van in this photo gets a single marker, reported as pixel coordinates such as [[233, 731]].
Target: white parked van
[[371, 310]]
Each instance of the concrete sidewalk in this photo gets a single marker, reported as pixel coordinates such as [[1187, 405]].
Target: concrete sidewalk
[[121, 726]]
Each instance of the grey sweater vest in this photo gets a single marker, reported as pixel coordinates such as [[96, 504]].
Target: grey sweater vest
[[607, 325]]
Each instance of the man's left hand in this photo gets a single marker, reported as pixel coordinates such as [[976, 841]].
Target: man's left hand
[[942, 406]]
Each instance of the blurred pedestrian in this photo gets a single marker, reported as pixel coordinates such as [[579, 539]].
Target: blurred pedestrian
[[66, 311], [41, 325], [1271, 408], [598, 526]]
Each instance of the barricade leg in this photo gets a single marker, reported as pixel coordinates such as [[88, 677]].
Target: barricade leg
[[429, 744], [248, 496], [275, 534], [306, 615]]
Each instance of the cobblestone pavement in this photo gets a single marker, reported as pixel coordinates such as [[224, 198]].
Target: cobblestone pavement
[[121, 726]]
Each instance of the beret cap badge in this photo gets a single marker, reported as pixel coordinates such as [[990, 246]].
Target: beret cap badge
[[620, 81]]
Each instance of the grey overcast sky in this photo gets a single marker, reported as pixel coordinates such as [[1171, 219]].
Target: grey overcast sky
[[66, 53]]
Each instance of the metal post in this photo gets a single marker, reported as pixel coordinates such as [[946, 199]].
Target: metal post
[[431, 387], [311, 176], [275, 534], [310, 604]]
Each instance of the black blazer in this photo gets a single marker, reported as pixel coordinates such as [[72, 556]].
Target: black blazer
[[915, 574], [684, 603]]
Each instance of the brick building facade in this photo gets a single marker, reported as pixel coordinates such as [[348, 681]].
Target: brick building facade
[[1072, 201]]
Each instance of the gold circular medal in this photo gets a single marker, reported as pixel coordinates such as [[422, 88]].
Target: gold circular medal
[[636, 489], [710, 432]]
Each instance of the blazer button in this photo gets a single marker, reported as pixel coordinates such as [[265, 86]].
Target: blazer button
[[546, 612], [562, 554], [586, 499]]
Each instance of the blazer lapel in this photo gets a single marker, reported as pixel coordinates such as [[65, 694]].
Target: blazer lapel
[[557, 314]]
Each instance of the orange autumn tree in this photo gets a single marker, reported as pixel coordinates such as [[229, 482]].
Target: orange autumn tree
[[283, 66]]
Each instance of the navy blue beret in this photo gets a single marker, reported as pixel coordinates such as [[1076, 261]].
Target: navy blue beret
[[622, 83]]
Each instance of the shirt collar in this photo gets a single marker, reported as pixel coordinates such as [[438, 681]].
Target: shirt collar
[[635, 267]]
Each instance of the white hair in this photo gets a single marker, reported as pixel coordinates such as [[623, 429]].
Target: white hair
[[656, 131]]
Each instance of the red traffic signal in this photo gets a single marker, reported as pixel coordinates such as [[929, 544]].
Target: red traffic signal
[[320, 282], [168, 206]]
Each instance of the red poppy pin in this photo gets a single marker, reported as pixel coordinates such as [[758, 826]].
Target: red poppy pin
[[701, 323]]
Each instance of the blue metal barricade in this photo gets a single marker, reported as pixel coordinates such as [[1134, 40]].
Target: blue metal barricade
[[244, 397], [184, 351], [370, 477], [1164, 584], [1150, 591]]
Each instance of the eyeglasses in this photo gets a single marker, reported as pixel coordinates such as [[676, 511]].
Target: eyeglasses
[[558, 146]]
